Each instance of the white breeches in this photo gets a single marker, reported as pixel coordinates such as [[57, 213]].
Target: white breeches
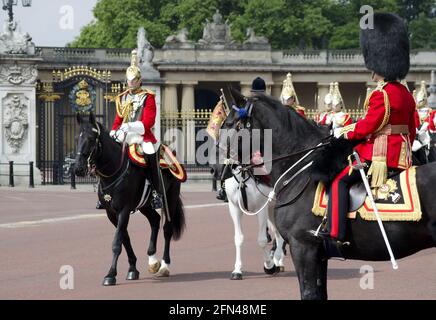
[[148, 147]]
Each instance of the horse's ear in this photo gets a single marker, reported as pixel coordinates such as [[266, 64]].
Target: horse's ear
[[238, 97], [79, 118], [92, 118]]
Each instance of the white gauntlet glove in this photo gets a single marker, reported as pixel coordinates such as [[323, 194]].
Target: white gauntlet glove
[[337, 132], [136, 127], [118, 135], [416, 146]]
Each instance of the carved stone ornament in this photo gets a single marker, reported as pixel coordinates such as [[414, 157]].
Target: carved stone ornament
[[17, 75], [13, 41], [217, 31], [15, 121]]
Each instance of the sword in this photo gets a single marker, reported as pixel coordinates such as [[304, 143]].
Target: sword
[[360, 167]]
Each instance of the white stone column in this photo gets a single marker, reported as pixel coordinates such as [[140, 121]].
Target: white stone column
[[246, 88], [170, 98], [323, 90], [276, 90], [269, 86], [171, 134], [18, 118], [188, 109]]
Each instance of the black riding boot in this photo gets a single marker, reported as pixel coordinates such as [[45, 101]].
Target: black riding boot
[[156, 201]]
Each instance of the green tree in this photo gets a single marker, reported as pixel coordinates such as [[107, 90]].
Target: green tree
[[286, 23], [423, 32]]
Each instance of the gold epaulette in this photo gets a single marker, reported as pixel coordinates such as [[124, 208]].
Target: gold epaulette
[[149, 92], [300, 108]]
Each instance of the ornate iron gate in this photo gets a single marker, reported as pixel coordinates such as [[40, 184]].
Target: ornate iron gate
[[59, 101]]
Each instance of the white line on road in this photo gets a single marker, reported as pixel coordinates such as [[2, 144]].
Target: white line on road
[[30, 223]]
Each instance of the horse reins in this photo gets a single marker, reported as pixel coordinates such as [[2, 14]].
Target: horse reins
[[96, 149]]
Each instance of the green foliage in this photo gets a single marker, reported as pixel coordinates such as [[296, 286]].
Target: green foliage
[[286, 23], [423, 32]]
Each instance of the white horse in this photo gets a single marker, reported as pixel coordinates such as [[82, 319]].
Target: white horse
[[257, 195]]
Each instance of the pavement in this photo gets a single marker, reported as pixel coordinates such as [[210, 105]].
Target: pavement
[[49, 232]]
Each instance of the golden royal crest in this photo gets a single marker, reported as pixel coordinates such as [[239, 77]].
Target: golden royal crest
[[83, 97]]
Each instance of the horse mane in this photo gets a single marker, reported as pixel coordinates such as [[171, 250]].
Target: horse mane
[[291, 121], [328, 161]]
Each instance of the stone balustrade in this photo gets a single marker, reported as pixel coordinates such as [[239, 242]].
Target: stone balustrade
[[419, 58]]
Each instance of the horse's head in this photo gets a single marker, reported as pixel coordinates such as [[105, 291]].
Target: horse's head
[[248, 122], [87, 144]]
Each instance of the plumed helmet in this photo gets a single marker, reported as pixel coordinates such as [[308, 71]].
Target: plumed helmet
[[386, 47], [258, 85], [133, 72], [288, 89], [328, 99], [421, 96], [337, 97]]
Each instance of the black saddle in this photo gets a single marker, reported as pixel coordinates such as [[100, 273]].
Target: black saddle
[[358, 193]]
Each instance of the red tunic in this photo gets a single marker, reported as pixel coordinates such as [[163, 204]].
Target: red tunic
[[431, 118], [401, 112], [300, 110], [148, 118]]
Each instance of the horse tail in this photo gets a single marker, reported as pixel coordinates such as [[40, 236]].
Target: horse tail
[[178, 220]]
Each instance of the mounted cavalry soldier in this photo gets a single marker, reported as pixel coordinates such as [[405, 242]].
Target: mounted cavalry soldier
[[289, 96], [258, 86], [388, 127], [135, 117], [339, 117], [325, 117], [421, 145]]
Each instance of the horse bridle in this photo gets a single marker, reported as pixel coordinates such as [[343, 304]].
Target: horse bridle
[[245, 113], [90, 161]]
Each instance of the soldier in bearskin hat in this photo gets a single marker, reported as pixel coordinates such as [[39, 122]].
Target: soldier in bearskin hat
[[388, 128]]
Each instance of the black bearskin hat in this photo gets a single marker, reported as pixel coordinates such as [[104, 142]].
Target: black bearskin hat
[[386, 48]]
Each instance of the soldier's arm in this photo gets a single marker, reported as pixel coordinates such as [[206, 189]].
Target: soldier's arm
[[412, 126], [117, 122], [375, 119], [149, 113]]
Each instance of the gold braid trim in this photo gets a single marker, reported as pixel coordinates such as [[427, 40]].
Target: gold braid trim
[[379, 169], [347, 129]]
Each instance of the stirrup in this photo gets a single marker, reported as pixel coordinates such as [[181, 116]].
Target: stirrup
[[156, 201], [322, 225]]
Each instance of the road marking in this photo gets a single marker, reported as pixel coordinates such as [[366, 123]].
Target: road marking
[[31, 223]]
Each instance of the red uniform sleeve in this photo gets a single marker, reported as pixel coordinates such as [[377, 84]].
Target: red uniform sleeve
[[431, 125], [149, 113], [416, 117], [413, 125], [348, 120], [372, 121], [117, 122]]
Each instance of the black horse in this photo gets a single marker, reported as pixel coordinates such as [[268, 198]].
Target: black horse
[[293, 213], [121, 190]]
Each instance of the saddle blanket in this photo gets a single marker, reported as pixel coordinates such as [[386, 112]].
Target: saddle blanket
[[167, 160], [397, 200]]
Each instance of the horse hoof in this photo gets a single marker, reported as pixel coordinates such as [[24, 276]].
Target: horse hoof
[[133, 275], [109, 281], [163, 272], [236, 276], [271, 271], [281, 269], [153, 268]]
